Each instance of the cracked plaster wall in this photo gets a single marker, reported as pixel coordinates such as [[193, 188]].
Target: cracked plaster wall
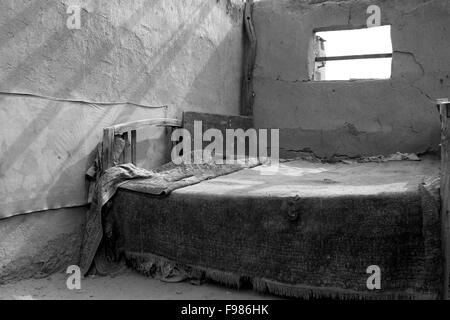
[[59, 88], [351, 117]]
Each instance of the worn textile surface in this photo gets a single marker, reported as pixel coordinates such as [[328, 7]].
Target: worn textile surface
[[322, 251], [160, 181]]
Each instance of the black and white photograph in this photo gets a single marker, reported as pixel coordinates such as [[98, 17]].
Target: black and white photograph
[[225, 158]]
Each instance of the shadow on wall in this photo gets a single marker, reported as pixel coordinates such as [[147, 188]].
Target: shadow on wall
[[51, 142], [53, 44], [216, 89], [72, 155], [144, 82]]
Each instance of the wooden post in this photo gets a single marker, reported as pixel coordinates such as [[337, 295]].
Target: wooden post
[[107, 148], [133, 147], [247, 94], [126, 149], [130, 148], [444, 110]]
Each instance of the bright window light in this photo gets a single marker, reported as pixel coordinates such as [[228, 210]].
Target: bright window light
[[353, 54]]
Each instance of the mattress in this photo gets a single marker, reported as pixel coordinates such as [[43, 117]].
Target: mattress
[[308, 230]]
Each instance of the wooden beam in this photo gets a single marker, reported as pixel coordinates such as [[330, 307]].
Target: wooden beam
[[133, 147], [215, 121], [444, 107], [107, 148], [247, 94], [128, 126], [126, 149], [130, 148], [355, 57]]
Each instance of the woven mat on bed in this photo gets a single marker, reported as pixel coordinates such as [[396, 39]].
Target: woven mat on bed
[[159, 182], [323, 250]]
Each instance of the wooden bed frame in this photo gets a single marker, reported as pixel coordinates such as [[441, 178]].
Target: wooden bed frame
[[129, 130], [223, 122]]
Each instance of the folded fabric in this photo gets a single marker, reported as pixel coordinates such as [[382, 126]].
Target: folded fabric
[[160, 181]]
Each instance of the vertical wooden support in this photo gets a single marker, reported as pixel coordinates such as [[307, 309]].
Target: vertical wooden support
[[444, 109], [172, 143], [107, 148], [122, 155], [247, 94], [126, 150], [133, 147], [130, 148]]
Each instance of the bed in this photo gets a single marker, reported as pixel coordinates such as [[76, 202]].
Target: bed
[[311, 230]]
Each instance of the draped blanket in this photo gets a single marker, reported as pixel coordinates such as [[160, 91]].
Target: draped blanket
[[316, 246], [296, 246], [159, 182]]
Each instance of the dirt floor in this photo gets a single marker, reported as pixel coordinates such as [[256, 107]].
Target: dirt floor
[[128, 285]]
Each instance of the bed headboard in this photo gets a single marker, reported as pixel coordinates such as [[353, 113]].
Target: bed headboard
[[128, 131], [216, 121]]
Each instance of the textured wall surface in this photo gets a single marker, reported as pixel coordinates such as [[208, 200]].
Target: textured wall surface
[[60, 87], [150, 52], [351, 117], [39, 244]]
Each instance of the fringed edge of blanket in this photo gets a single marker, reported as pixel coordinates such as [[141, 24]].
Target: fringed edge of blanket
[[159, 267], [307, 292]]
